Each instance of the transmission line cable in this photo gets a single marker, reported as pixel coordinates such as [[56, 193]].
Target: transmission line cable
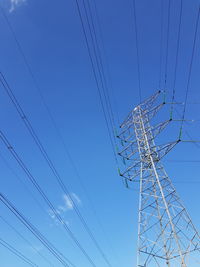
[[25, 186], [92, 16], [190, 137], [167, 42], [98, 87], [161, 42], [37, 86], [104, 85], [22, 182], [100, 68], [177, 54], [54, 251], [96, 80], [44, 196], [98, 57], [186, 132], [17, 253], [106, 61], [54, 124], [190, 70], [137, 50], [26, 241]]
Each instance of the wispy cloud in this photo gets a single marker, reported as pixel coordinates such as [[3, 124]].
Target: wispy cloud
[[15, 3], [76, 198], [67, 204], [69, 201], [56, 221]]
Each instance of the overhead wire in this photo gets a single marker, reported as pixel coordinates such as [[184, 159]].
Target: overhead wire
[[46, 243], [99, 61], [39, 89], [110, 133], [112, 137], [98, 56], [185, 131], [36, 139], [26, 241], [44, 196], [190, 71], [99, 72], [26, 187], [161, 44], [17, 253], [22, 182], [96, 13], [137, 50], [176, 58], [167, 43]]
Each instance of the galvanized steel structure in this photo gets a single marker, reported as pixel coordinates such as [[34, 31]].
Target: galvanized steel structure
[[166, 234]]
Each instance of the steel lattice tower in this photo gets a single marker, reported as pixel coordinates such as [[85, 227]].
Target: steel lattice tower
[[166, 234]]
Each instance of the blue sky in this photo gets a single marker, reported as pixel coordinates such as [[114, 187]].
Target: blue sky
[[51, 36]]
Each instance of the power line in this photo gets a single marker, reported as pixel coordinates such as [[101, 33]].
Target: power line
[[195, 143], [44, 196], [106, 61], [55, 252], [32, 132], [167, 43], [177, 54], [48, 160], [96, 79], [161, 42], [39, 89], [113, 142], [99, 61], [25, 186], [22, 182], [98, 86], [26, 240], [100, 68], [186, 132], [190, 70], [17, 253], [137, 50]]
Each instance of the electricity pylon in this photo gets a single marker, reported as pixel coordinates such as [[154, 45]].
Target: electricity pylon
[[166, 234]]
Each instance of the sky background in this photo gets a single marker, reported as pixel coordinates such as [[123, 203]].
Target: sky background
[[52, 40]]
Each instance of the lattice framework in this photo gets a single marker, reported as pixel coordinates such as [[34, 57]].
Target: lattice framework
[[166, 234]]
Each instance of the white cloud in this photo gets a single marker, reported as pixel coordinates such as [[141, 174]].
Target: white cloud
[[68, 204], [56, 221], [76, 198], [15, 3]]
